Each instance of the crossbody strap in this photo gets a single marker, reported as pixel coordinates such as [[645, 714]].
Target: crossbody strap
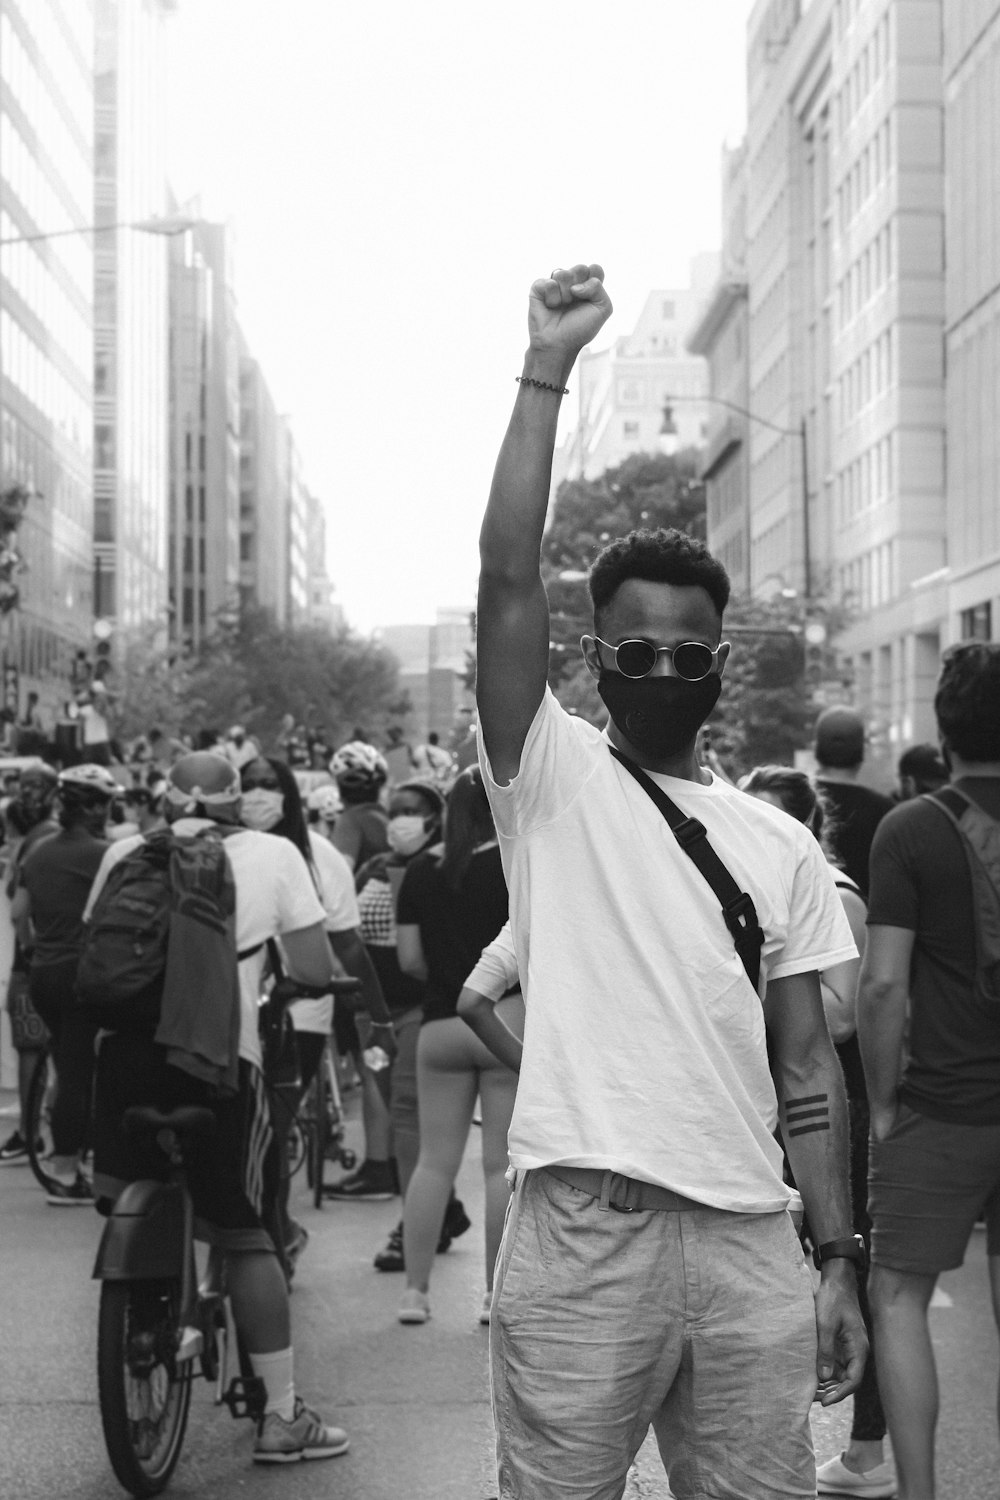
[[738, 910]]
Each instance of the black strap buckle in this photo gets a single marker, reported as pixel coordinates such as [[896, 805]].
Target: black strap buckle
[[688, 832], [740, 915]]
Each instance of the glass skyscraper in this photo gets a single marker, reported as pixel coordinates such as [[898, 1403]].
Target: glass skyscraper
[[46, 334]]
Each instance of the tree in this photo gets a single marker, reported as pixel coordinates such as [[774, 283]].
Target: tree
[[253, 671]]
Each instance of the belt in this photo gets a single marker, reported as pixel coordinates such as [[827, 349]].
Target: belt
[[626, 1195]]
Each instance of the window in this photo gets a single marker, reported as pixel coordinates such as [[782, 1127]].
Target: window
[[630, 429], [104, 446], [668, 310], [977, 622]]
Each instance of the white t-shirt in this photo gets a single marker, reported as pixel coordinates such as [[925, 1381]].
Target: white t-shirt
[[274, 895], [644, 1049], [336, 892]]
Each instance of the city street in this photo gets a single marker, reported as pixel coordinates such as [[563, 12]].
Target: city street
[[415, 1400]]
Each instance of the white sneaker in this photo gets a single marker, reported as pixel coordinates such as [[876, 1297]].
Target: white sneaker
[[415, 1306], [835, 1478], [305, 1436]]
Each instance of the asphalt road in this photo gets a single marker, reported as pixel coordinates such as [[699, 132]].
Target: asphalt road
[[415, 1400]]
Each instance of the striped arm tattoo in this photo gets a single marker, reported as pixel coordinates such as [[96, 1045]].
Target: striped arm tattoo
[[803, 1116]]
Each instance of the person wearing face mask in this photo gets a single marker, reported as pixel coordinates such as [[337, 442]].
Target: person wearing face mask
[[416, 816], [649, 1271], [272, 803]]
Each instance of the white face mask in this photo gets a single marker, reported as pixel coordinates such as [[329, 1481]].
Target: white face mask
[[262, 809], [407, 833]]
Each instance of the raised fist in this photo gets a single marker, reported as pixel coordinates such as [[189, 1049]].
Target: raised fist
[[567, 310]]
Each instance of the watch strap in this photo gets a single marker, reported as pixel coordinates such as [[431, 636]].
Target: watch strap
[[850, 1248]]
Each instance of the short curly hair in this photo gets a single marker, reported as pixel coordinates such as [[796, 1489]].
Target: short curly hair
[[661, 556], [967, 701]]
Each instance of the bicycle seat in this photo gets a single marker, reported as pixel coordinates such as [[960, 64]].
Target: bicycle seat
[[190, 1120]]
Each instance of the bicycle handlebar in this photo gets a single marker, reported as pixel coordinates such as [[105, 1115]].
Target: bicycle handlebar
[[288, 989]]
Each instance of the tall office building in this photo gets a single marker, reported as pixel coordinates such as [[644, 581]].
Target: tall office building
[[641, 394], [844, 182], [297, 583], [204, 538], [324, 610], [131, 459], [46, 336], [721, 335], [432, 662], [264, 534], [972, 317]]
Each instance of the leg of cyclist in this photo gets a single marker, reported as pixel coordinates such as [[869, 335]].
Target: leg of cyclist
[[53, 996]]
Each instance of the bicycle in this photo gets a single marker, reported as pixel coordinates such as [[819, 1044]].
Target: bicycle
[[156, 1326], [321, 1121]]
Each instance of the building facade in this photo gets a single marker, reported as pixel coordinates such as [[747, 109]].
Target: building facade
[[324, 610], [204, 537], [264, 537], [46, 342], [721, 336], [131, 451], [972, 318], [643, 394], [433, 661], [845, 380]]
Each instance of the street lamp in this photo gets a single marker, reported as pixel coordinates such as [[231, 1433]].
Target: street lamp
[[167, 224], [799, 432]]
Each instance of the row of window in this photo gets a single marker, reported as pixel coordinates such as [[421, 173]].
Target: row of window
[[872, 63], [872, 579], [69, 62], [976, 624], [67, 150], [867, 174], [25, 180], [870, 376], [868, 274], [867, 481], [26, 456], [46, 387], [59, 314]]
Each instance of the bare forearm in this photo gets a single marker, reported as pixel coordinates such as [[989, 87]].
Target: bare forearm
[[882, 1009], [515, 514], [354, 956], [812, 1109], [480, 1015]]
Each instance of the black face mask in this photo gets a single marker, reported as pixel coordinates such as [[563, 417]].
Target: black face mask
[[659, 715]]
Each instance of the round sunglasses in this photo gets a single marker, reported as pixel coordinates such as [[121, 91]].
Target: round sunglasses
[[691, 660]]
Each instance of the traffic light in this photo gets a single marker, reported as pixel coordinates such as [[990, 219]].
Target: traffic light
[[102, 661], [814, 637]]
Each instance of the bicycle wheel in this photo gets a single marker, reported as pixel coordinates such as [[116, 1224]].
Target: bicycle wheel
[[319, 1139], [144, 1395], [41, 1091]]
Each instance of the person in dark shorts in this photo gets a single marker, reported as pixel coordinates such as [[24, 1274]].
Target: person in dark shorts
[[930, 1041], [274, 898], [855, 810], [55, 880]]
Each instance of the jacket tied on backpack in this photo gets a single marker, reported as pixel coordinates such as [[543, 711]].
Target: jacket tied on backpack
[[160, 952]]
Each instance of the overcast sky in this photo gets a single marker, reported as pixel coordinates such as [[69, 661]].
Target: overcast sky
[[396, 174]]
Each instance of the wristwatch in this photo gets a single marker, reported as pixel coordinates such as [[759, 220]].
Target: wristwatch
[[852, 1248]]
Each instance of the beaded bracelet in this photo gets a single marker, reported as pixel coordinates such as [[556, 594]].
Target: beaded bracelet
[[543, 385]]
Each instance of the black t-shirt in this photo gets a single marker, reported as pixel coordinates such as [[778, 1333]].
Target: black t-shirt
[[57, 875], [855, 813], [455, 925], [921, 881]]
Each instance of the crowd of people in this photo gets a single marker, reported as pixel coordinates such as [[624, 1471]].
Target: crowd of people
[[710, 1023]]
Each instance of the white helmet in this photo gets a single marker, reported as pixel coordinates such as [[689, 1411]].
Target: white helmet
[[91, 778], [325, 802], [359, 764]]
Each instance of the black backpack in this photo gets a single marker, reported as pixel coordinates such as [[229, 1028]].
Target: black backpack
[[123, 962], [980, 838]]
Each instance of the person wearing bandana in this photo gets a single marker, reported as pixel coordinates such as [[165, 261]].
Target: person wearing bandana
[[650, 1273]]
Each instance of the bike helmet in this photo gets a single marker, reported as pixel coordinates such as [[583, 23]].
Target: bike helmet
[[324, 802], [206, 780], [89, 778], [358, 765], [84, 788]]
